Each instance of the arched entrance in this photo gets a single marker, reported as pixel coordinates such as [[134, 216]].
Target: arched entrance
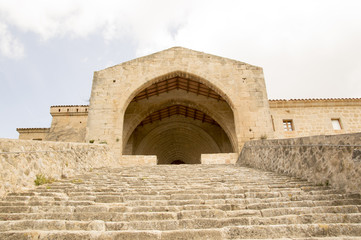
[[230, 92], [178, 118]]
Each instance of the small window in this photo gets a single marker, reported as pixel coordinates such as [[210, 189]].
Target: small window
[[59, 110], [288, 125], [336, 124]]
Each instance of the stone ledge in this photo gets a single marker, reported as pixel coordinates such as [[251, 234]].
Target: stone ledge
[[219, 158], [138, 160]]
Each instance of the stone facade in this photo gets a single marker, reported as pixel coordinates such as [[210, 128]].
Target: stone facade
[[242, 109], [22, 160], [325, 160], [178, 104], [38, 134], [314, 116], [68, 123]]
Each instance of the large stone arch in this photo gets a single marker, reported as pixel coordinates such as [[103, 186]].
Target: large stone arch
[[167, 141], [134, 121], [184, 74], [241, 85]]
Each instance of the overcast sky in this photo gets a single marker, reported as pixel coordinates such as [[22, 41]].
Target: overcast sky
[[50, 49]]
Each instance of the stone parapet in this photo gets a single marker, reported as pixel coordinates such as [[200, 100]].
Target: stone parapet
[[326, 160], [69, 110], [33, 130], [33, 133], [22, 160], [316, 102], [219, 158], [138, 160]]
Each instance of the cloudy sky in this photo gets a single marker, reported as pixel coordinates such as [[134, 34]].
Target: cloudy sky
[[50, 49]]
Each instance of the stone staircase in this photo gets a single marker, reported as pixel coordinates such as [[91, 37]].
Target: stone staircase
[[180, 202]]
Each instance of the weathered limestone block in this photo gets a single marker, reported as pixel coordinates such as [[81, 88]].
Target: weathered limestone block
[[219, 158], [138, 160]]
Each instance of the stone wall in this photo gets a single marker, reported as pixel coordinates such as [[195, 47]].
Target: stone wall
[[38, 134], [219, 158], [327, 160], [22, 160], [68, 123], [138, 160], [313, 116]]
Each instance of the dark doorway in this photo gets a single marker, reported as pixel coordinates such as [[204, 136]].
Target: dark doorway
[[177, 162]]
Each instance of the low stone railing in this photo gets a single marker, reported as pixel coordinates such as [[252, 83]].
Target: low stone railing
[[326, 160], [22, 160], [138, 160], [219, 158]]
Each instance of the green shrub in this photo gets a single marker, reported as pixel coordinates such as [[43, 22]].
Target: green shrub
[[41, 179]]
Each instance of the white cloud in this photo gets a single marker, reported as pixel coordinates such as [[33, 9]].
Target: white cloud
[[9, 45], [306, 48], [79, 18], [298, 42]]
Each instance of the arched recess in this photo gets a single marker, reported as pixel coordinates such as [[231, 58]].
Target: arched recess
[[177, 140], [179, 74], [191, 92], [166, 103]]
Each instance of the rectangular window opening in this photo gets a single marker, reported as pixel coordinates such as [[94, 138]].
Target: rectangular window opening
[[336, 124], [288, 125]]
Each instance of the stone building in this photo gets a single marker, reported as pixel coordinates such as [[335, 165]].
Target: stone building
[[180, 104]]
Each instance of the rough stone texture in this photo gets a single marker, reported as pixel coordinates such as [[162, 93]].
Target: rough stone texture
[[219, 158], [140, 160], [325, 160], [22, 160], [186, 201], [241, 85]]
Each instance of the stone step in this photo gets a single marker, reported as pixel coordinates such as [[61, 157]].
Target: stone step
[[304, 203], [87, 216], [271, 212], [180, 202], [118, 214], [292, 230], [164, 206], [47, 203], [169, 190], [251, 203], [198, 223], [236, 232]]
